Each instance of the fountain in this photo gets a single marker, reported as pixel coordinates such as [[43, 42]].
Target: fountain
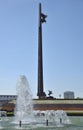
[[2, 113], [24, 107], [24, 113]]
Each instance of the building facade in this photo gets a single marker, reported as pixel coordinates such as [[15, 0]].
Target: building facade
[[6, 98], [69, 95]]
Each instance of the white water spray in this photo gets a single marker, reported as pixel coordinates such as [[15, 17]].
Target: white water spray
[[24, 107]]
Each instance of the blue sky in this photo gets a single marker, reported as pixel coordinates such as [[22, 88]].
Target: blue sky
[[62, 45]]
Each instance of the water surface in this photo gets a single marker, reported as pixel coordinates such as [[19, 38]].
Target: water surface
[[6, 123]]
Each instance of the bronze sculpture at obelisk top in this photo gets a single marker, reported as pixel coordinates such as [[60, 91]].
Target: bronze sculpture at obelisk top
[[42, 18]]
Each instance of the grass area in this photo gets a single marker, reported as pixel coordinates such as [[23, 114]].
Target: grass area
[[11, 113], [69, 113], [74, 113], [58, 101]]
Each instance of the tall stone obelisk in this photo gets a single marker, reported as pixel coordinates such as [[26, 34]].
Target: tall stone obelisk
[[40, 93]]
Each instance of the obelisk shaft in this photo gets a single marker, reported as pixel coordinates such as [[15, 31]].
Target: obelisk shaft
[[40, 93]]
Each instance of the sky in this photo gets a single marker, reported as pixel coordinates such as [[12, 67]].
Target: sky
[[62, 45]]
